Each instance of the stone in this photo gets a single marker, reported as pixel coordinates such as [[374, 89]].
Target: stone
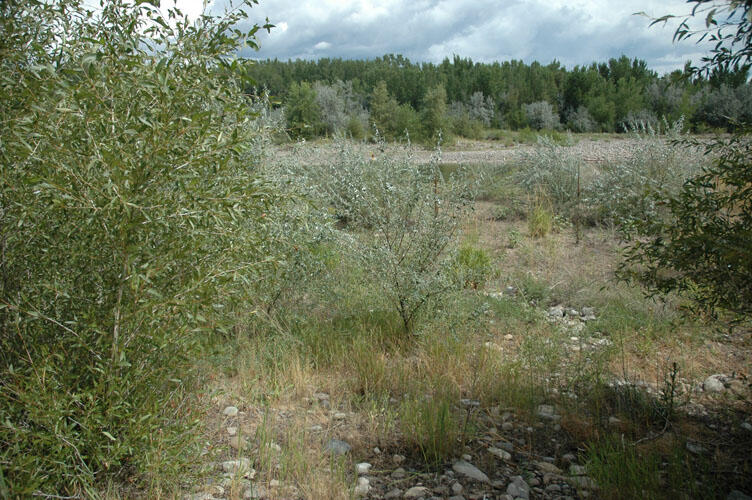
[[362, 468], [467, 457], [274, 483], [576, 470], [613, 421], [362, 488], [399, 473], [337, 447], [254, 491], [339, 416], [505, 445], [746, 426], [548, 468], [377, 451], [232, 431], [416, 492], [569, 458], [502, 454], [394, 493], [547, 412], [457, 488], [469, 470], [695, 448], [238, 443], [738, 495], [398, 459], [583, 482], [507, 426], [321, 396], [315, 428], [508, 336], [456, 497], [470, 402], [230, 411], [518, 488], [713, 383], [241, 466], [588, 311]]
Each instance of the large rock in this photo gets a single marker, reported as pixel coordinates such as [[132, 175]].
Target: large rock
[[337, 447], [714, 383], [518, 488], [469, 470], [417, 492]]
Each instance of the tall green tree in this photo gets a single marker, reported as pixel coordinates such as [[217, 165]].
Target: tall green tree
[[130, 215]]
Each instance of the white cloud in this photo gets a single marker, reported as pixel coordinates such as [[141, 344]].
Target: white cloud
[[575, 32]]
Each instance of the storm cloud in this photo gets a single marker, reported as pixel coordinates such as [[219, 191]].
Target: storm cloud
[[572, 32]]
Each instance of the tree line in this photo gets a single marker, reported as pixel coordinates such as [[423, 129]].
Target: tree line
[[466, 97]]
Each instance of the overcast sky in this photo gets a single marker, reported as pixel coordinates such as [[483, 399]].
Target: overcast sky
[[574, 32]]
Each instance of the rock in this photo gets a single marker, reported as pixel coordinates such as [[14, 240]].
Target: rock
[[230, 411], [507, 426], [573, 312], [315, 428], [466, 457], [457, 488], [398, 459], [548, 468], [416, 492], [321, 396], [695, 448], [714, 383], [518, 488], [377, 451], [337, 447], [339, 416], [547, 412], [613, 421], [200, 496], [469, 470], [254, 491], [238, 443], [362, 488], [583, 482], [394, 493], [241, 466], [738, 495], [569, 458], [456, 497], [505, 445], [399, 473], [576, 470], [274, 483], [362, 468], [232, 431], [588, 311], [508, 336], [555, 312], [502, 454], [746, 426], [470, 403]]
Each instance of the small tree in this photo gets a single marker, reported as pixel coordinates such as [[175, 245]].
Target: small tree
[[302, 111], [703, 248], [540, 115]]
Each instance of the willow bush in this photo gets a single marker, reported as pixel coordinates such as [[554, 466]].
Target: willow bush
[[130, 219]]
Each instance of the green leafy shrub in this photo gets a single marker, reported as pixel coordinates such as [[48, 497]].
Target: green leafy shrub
[[129, 214], [472, 266]]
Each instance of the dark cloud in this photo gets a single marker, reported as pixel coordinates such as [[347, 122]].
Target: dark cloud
[[572, 32]]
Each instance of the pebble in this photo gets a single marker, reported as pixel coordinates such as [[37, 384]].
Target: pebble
[[518, 488], [394, 493], [713, 383], [399, 473], [339, 416], [457, 488], [230, 411], [547, 412], [240, 466], [508, 336], [502, 454], [362, 468], [362, 488], [232, 431], [416, 492], [338, 447], [469, 470], [254, 491], [274, 483], [238, 443], [547, 467], [576, 470], [398, 459], [747, 426]]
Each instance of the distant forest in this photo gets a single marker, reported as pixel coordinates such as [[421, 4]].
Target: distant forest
[[467, 98]]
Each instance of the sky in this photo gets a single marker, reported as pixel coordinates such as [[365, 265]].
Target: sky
[[573, 32]]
